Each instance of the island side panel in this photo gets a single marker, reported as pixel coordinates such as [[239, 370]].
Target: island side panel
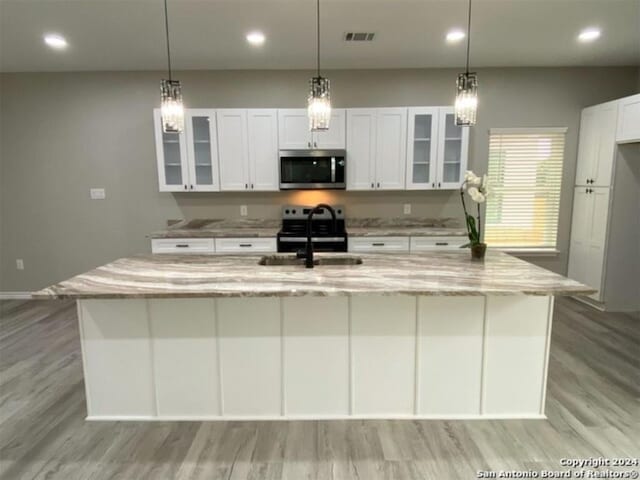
[[316, 356], [449, 359], [516, 343], [250, 336], [184, 348], [117, 359], [383, 333]]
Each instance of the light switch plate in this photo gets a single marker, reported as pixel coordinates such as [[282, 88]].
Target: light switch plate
[[19, 264], [407, 209], [243, 210], [98, 194]]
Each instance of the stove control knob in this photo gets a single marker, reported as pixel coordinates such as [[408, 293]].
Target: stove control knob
[[286, 211], [293, 211], [339, 211]]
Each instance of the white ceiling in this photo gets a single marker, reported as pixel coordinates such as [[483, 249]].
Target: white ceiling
[[209, 34]]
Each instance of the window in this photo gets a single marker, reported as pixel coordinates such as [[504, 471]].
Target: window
[[525, 173]]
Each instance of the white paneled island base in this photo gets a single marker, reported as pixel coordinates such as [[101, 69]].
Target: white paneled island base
[[316, 357]]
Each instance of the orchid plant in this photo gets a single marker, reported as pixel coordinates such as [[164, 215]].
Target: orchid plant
[[478, 189]]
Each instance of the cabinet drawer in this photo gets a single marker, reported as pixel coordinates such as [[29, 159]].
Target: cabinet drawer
[[246, 245], [424, 244], [182, 245], [379, 244]]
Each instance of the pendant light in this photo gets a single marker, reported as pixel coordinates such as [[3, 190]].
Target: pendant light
[[319, 101], [466, 105], [171, 107]]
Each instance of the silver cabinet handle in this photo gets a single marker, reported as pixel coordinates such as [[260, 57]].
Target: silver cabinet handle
[[442, 243], [309, 144], [246, 245], [376, 244], [246, 186], [252, 186], [378, 184], [185, 187], [315, 144], [182, 245], [373, 185]]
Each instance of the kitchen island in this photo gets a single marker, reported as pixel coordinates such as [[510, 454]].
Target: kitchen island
[[201, 337]]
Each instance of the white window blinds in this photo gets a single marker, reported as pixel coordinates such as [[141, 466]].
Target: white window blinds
[[525, 173]]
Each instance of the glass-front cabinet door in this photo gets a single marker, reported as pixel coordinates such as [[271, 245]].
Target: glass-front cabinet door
[[452, 151], [202, 150], [173, 175], [422, 147]]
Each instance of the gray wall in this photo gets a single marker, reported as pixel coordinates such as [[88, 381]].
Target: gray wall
[[63, 133]]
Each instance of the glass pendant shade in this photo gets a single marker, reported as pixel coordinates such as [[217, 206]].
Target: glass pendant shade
[[466, 105], [171, 107], [319, 106]]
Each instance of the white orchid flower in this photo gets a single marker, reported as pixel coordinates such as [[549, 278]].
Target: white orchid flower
[[471, 178], [476, 195]]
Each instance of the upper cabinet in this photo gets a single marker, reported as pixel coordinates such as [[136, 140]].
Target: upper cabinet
[[376, 148], [437, 149], [248, 147], [294, 131], [188, 161], [628, 120], [596, 145]]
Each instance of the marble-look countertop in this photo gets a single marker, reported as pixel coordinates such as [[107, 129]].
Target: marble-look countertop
[[356, 227], [218, 228], [180, 276]]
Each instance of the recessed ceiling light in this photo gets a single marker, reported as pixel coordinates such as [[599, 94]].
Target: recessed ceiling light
[[255, 38], [454, 36], [589, 34], [55, 41]]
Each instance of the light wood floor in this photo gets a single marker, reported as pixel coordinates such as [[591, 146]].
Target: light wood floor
[[593, 409]]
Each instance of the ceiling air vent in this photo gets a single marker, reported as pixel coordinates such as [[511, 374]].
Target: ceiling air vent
[[358, 37]]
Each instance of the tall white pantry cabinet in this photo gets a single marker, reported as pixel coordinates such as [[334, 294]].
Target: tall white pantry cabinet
[[605, 231]]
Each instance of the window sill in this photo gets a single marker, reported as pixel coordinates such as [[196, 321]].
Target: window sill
[[530, 252]]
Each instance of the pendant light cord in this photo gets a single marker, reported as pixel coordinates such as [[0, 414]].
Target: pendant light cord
[[166, 29], [468, 36], [318, 33]]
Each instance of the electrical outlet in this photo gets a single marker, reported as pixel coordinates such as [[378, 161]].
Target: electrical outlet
[[19, 264], [97, 194], [407, 209], [243, 210]]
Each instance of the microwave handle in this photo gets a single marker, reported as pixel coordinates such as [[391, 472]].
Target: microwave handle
[[333, 169]]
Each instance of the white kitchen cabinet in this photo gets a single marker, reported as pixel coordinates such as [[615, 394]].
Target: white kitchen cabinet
[[202, 150], [430, 244], [437, 149], [171, 154], [188, 161], [379, 244], [182, 245], [376, 148], [596, 145], [628, 120], [248, 149], [588, 236], [246, 245], [294, 134]]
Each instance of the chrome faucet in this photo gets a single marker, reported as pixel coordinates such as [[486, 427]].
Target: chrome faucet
[[309, 249]]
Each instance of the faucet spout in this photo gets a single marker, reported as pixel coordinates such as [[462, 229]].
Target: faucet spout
[[308, 263]]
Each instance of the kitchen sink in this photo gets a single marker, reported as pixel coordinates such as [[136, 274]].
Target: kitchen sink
[[284, 260]]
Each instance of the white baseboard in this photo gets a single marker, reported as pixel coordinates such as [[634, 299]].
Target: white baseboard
[[259, 418], [15, 295]]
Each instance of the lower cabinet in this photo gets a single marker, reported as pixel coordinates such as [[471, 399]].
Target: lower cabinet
[[588, 237], [379, 244], [428, 244], [182, 245], [210, 245], [246, 245]]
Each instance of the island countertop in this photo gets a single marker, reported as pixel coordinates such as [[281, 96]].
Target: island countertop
[[438, 273]]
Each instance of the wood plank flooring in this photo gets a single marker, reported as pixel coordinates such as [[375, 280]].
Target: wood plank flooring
[[593, 409]]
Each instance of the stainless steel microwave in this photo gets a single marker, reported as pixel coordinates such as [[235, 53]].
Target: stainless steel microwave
[[312, 169]]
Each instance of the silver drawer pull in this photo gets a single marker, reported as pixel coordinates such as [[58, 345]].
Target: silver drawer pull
[[246, 245], [378, 244], [182, 245], [442, 243]]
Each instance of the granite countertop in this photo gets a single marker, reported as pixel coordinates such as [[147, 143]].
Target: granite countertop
[[356, 227], [180, 276], [217, 228]]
